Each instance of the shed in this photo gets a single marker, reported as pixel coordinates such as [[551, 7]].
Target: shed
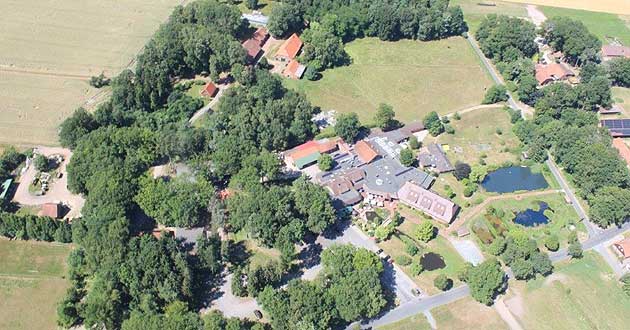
[[209, 90], [52, 210]]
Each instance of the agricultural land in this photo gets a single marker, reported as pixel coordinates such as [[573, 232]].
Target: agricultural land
[[608, 6], [31, 283], [49, 51]]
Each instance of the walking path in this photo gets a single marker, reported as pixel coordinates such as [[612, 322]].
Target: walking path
[[210, 104], [506, 315]]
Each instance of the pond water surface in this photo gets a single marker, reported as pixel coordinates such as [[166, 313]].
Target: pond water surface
[[514, 178], [432, 261], [531, 218]]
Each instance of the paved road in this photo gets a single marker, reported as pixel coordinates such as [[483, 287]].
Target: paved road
[[593, 241], [418, 305]]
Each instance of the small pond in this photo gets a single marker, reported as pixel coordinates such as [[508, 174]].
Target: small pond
[[432, 261], [514, 178], [531, 218]]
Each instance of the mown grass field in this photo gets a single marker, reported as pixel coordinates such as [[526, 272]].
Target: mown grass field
[[31, 283], [264, 6], [605, 26], [483, 132], [474, 12], [622, 96], [609, 6], [458, 315], [414, 77], [48, 51], [582, 294]]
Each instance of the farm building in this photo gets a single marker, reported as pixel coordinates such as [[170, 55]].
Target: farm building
[[617, 127], [294, 70], [624, 150], [52, 210], [615, 109], [365, 152], [398, 135], [428, 202], [546, 74], [610, 52], [289, 49], [308, 153], [209, 90], [433, 158], [253, 49]]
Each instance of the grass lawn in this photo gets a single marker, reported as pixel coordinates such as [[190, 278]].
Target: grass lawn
[[416, 322], [474, 13], [476, 134], [604, 25], [31, 283], [195, 92], [414, 77], [584, 295], [622, 96], [610, 6], [467, 314], [558, 218], [258, 255], [454, 262]]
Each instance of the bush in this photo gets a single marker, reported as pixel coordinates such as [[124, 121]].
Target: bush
[[416, 268], [406, 157], [41, 163], [99, 81], [325, 162], [552, 243], [414, 143], [457, 116], [469, 190], [252, 4], [496, 93], [625, 283], [425, 231], [575, 248], [442, 282], [411, 248], [449, 129], [311, 73], [462, 171], [403, 260]]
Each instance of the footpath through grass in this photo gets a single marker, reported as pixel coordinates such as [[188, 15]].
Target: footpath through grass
[[414, 77], [582, 294], [31, 283]]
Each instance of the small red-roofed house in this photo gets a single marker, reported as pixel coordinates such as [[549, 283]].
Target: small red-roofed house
[[289, 49], [294, 70], [209, 90]]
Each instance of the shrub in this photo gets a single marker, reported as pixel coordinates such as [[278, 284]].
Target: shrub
[[625, 284], [425, 231], [411, 249], [325, 162], [416, 268], [457, 116], [495, 94], [462, 171], [449, 129], [552, 243], [442, 282], [406, 157], [403, 260], [414, 143], [41, 163]]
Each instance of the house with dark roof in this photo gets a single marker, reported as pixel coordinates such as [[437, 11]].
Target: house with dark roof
[[289, 49], [617, 127], [548, 73], [209, 90], [433, 158], [438, 207], [397, 135], [610, 52]]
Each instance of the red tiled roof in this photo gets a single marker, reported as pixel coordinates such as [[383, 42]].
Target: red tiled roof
[[252, 46], [294, 70], [622, 147], [50, 210], [552, 72], [261, 35], [291, 47], [209, 89], [623, 247], [365, 151], [615, 51]]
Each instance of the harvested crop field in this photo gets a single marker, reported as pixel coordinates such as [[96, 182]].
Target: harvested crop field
[[609, 6], [49, 49], [414, 77]]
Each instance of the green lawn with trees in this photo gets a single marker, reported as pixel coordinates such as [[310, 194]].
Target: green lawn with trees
[[413, 77], [605, 26], [584, 295]]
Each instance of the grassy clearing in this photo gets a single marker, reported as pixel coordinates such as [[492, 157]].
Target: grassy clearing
[[414, 77], [416, 322], [454, 262], [622, 96], [608, 6], [31, 283], [560, 214], [195, 92], [584, 295], [467, 314], [474, 12], [604, 25], [41, 44], [477, 135]]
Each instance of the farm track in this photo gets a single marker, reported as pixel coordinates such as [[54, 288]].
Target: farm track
[[44, 73]]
